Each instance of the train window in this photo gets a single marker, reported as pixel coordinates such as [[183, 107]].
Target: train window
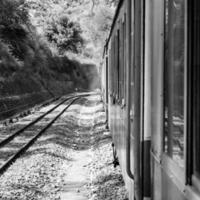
[[194, 67], [118, 64], [121, 61], [123, 64], [115, 66], [174, 80], [124, 58], [196, 113], [112, 66]]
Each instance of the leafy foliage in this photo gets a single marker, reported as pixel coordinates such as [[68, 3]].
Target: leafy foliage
[[8, 64], [65, 34], [90, 22], [14, 25], [13, 13], [37, 37]]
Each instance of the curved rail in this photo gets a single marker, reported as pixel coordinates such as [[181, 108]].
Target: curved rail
[[11, 137], [20, 151], [22, 107]]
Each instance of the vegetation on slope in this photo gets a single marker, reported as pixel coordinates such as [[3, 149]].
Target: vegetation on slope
[[38, 40], [83, 23]]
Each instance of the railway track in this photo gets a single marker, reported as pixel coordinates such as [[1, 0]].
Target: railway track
[[18, 142]]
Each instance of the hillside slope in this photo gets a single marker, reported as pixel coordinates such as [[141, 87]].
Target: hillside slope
[[50, 47], [92, 19]]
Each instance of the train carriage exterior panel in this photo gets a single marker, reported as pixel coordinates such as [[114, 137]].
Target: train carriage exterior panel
[[152, 74], [117, 88]]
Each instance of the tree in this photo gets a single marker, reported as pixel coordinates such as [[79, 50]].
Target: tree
[[65, 34], [14, 25]]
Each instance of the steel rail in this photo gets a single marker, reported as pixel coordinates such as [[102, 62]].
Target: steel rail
[[11, 137], [8, 162], [22, 106]]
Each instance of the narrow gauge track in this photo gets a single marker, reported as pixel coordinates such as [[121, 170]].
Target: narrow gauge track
[[4, 144], [11, 137]]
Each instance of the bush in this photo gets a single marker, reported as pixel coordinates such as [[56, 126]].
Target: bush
[[14, 24], [65, 34], [8, 64]]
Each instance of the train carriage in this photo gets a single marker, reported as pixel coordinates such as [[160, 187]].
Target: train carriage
[[152, 93]]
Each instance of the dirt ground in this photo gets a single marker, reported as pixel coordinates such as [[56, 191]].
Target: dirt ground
[[72, 160]]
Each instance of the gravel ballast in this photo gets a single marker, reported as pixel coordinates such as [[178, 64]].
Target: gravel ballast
[[71, 160]]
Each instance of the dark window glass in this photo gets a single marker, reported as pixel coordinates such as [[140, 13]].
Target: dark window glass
[[112, 66], [115, 66], [124, 59], [121, 60], [196, 84], [118, 64], [174, 80]]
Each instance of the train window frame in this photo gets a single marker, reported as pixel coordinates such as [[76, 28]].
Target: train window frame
[[193, 178], [168, 163], [121, 59], [111, 68], [118, 63], [124, 59], [114, 69], [123, 32]]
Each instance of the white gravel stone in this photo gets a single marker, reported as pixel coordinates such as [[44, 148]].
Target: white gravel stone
[[72, 160]]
